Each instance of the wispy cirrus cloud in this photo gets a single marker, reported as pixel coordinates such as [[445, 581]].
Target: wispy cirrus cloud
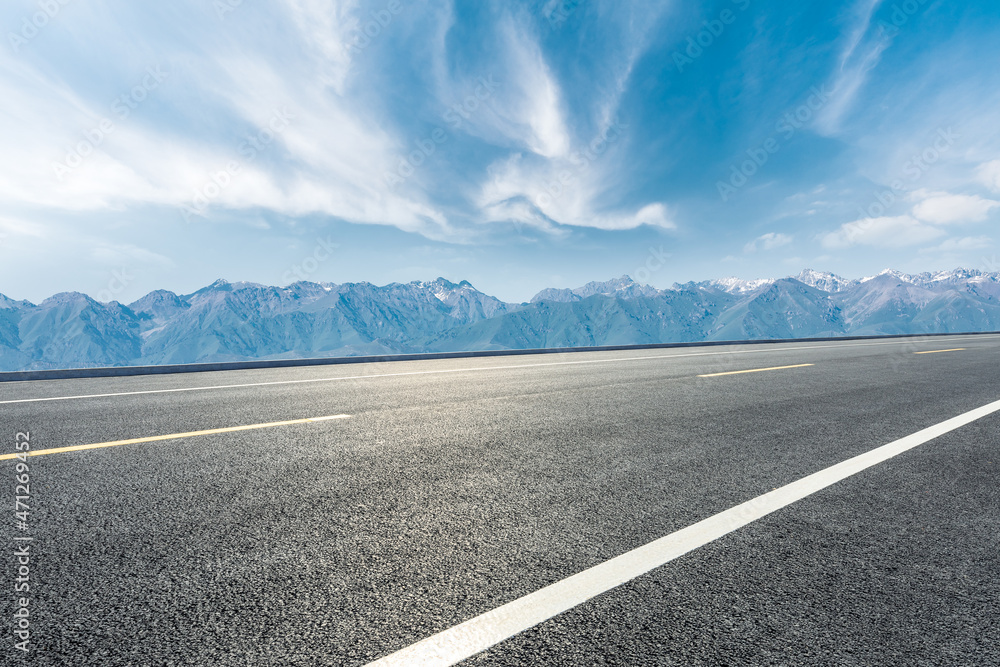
[[862, 51], [564, 176], [333, 156], [331, 29], [584, 133], [314, 166]]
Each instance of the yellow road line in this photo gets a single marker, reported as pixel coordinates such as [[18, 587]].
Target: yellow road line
[[171, 436], [753, 370], [954, 349]]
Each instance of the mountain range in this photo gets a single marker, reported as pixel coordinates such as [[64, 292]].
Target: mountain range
[[235, 321]]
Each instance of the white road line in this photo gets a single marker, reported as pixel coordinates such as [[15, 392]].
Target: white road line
[[459, 370], [480, 633]]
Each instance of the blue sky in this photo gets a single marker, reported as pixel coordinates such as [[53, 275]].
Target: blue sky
[[517, 145]]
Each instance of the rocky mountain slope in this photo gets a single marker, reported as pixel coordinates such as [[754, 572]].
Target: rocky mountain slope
[[236, 321]]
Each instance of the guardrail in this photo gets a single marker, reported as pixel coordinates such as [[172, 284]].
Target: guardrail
[[123, 371]]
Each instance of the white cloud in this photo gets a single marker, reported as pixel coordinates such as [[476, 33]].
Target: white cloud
[[961, 244], [887, 232], [989, 175], [767, 241], [635, 26], [330, 28], [526, 111], [536, 193], [520, 211], [549, 136], [557, 174], [655, 215], [17, 227], [941, 208], [857, 59], [334, 156], [113, 253], [137, 163]]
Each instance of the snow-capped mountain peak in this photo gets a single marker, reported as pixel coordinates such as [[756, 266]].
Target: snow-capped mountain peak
[[231, 321], [623, 287], [734, 285], [825, 281], [898, 275]]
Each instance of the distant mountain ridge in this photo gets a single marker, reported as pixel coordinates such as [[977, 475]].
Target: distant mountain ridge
[[234, 321], [623, 287]]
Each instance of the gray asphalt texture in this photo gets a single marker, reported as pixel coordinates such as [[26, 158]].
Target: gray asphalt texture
[[460, 485]]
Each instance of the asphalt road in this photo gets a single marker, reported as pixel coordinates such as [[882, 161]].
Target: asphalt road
[[456, 486]]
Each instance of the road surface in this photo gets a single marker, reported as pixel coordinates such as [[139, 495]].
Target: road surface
[[433, 493]]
